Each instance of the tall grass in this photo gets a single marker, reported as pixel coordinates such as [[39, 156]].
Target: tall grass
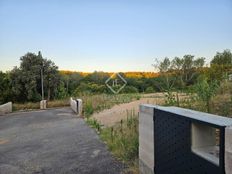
[[220, 104], [35, 106], [97, 103], [25, 106], [121, 139], [91, 103]]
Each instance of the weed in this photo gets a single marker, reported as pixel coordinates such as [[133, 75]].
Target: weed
[[122, 139], [94, 124], [205, 91], [88, 109], [170, 99]]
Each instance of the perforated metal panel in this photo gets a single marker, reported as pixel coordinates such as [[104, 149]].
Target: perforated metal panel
[[172, 140]]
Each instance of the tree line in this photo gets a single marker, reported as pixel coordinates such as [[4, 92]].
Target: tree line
[[23, 83]]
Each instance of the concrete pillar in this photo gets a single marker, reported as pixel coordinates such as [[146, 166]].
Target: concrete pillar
[[6, 108], [76, 106], [146, 139], [228, 150], [79, 109], [43, 104]]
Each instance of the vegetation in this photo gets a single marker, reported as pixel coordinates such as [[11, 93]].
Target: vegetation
[[122, 139], [205, 91], [23, 83], [208, 89], [97, 103], [188, 74]]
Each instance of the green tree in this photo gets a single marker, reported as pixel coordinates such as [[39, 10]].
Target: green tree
[[221, 66], [61, 91], [5, 88], [205, 91], [224, 58], [166, 78], [26, 80], [187, 68]]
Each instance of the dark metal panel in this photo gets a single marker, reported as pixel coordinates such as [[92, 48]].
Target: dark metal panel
[[172, 141], [77, 106]]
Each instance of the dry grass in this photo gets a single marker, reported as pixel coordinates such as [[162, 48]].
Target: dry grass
[[222, 105], [35, 106], [91, 103], [58, 103], [25, 106], [97, 103]]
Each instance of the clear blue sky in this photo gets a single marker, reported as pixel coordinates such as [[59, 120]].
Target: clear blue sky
[[112, 35]]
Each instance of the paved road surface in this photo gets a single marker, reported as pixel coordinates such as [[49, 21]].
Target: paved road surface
[[52, 142]]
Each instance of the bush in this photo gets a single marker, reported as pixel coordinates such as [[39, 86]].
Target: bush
[[94, 124], [149, 89], [205, 91], [88, 109], [89, 88], [122, 139], [225, 88], [130, 89]]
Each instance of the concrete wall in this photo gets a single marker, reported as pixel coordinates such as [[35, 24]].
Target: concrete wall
[[204, 142], [6, 108], [73, 105], [146, 139], [228, 150], [202, 136]]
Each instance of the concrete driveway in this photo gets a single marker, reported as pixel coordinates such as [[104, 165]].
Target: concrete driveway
[[52, 142]]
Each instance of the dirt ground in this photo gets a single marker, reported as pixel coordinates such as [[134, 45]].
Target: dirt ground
[[111, 116]]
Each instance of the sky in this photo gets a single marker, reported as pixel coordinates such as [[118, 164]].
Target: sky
[[112, 35]]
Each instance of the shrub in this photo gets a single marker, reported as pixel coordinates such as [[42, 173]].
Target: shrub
[[170, 99], [149, 89], [130, 89], [88, 109], [122, 139], [205, 91]]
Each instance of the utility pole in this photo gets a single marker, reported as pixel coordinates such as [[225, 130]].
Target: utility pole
[[42, 81]]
